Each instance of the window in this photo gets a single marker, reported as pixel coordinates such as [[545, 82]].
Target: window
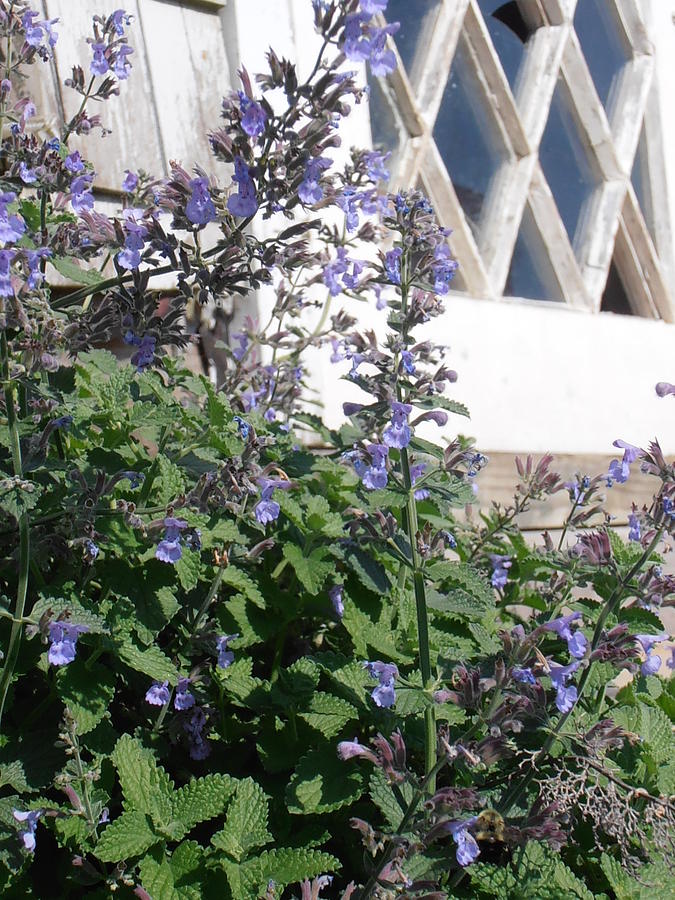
[[532, 126]]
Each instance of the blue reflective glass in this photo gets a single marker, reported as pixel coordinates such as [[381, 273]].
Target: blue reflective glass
[[467, 138], [602, 45], [640, 178], [565, 161], [413, 15], [384, 122], [531, 274], [508, 31]]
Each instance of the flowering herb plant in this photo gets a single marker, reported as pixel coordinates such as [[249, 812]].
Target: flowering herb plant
[[236, 667]]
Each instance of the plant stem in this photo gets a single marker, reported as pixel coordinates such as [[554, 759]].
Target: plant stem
[[24, 533]]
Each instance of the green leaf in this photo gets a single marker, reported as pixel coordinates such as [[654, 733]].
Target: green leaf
[[188, 569], [13, 774], [150, 661], [283, 866], [322, 783], [17, 496], [246, 824], [157, 879], [131, 834], [170, 483], [70, 269], [147, 787], [72, 610], [388, 802], [202, 799], [328, 714], [87, 693], [463, 580], [321, 519], [238, 579], [311, 570]]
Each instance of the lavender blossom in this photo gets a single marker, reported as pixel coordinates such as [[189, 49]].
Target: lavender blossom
[[199, 208], [225, 656], [244, 202], [27, 834], [416, 472], [253, 116], [566, 697], [375, 165], [99, 64], [352, 749], [524, 676], [374, 477], [577, 641], [443, 268], [619, 471], [169, 548], [408, 362], [267, 510], [663, 388], [467, 846], [158, 694], [335, 594], [653, 662], [194, 726], [63, 637], [398, 433], [33, 260], [130, 182], [12, 227], [183, 699], [122, 66], [6, 257], [384, 694], [392, 265], [310, 191], [500, 569], [634, 528]]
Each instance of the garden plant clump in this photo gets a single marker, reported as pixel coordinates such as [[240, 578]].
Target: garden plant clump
[[236, 668]]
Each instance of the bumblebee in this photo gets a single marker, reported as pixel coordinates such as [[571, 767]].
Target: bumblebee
[[490, 832], [490, 827]]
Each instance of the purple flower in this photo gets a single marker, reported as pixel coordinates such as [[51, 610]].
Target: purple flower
[[500, 569], [225, 656], [443, 268], [241, 339], [408, 362], [122, 66], [12, 227], [145, 355], [130, 182], [242, 426], [30, 818], [331, 271], [73, 162], [663, 388], [130, 257], [119, 19], [619, 471], [467, 847], [392, 265], [253, 116], [347, 201], [169, 548], [653, 662], [199, 208], [267, 509], [382, 60], [566, 697], [671, 662], [384, 694], [244, 202], [91, 550], [99, 64], [577, 641], [634, 528], [372, 7], [27, 175], [310, 191], [351, 749], [398, 433], [416, 473], [375, 165], [6, 257], [158, 694], [193, 726], [63, 637], [81, 197], [524, 676], [335, 594], [183, 699], [33, 258], [374, 477]]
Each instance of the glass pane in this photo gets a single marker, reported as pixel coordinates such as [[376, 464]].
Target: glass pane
[[615, 299], [413, 15], [565, 161], [601, 43], [509, 32], [640, 178], [385, 122], [467, 138], [531, 274]]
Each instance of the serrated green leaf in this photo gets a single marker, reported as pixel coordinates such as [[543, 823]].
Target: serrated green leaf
[[13, 774], [311, 570], [238, 579], [369, 571], [460, 577], [246, 824], [69, 267], [157, 879], [87, 693], [131, 834], [188, 569], [328, 714], [392, 805], [150, 661], [283, 866], [72, 610], [170, 482], [18, 496], [322, 783], [202, 799], [321, 519], [147, 787]]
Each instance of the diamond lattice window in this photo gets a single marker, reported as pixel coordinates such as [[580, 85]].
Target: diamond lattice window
[[533, 126]]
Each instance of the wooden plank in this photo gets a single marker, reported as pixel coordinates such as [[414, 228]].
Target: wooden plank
[[134, 142], [450, 213], [646, 255], [630, 100], [557, 242], [630, 272], [657, 184], [594, 239], [537, 79], [431, 84], [188, 96]]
